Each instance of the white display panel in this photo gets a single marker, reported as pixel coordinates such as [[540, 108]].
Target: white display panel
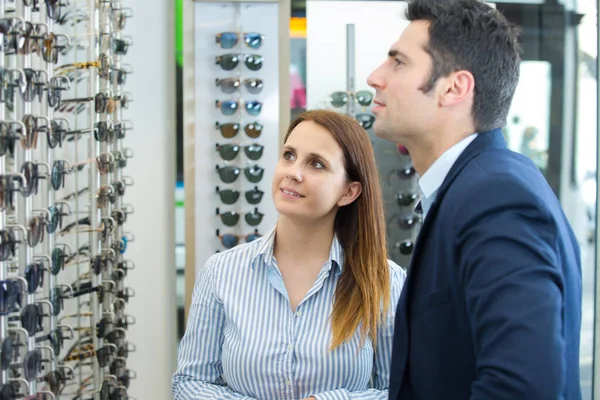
[[212, 18], [378, 24]]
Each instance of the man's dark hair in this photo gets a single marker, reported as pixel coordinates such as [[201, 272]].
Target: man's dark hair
[[470, 35]]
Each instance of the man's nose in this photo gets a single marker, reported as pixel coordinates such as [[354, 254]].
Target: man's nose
[[375, 80]]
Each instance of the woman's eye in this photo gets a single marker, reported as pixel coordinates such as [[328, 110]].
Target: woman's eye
[[288, 155], [318, 165]]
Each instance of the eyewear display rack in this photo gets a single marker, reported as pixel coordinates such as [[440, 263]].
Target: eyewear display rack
[[236, 109], [63, 293]]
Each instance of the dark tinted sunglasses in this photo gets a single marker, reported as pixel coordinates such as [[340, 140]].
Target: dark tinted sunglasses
[[365, 120], [231, 85], [230, 61], [406, 199], [230, 151], [230, 173]]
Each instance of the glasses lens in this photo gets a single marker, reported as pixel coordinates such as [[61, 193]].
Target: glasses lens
[[364, 98], [227, 40], [229, 174], [55, 219], [406, 199], [27, 169], [56, 299], [253, 62], [7, 353], [56, 340], [253, 40], [365, 120], [34, 232], [229, 85], [29, 317], [407, 221], [254, 196], [228, 107], [406, 247], [100, 101], [254, 174], [8, 392], [339, 99], [253, 130], [229, 196], [96, 264], [228, 130], [252, 236], [253, 86], [102, 355], [254, 151], [229, 240], [230, 218], [228, 151], [228, 61], [253, 107], [32, 276], [254, 218], [406, 173], [56, 178], [58, 259]]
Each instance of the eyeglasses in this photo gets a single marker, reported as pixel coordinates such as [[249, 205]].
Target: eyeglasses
[[102, 355], [230, 151], [11, 295], [229, 196], [365, 120], [230, 130], [231, 240], [230, 173], [230, 107], [104, 65], [406, 199], [231, 85], [406, 221], [340, 99], [254, 218], [34, 275], [32, 127], [228, 40], [229, 218], [32, 176], [230, 61], [404, 173]]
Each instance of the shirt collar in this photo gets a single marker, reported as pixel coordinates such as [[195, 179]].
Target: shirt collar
[[266, 244], [433, 178]]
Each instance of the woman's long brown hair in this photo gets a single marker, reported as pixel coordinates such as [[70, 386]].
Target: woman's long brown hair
[[364, 285]]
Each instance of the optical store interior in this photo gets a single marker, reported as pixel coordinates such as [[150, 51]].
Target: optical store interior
[[139, 138]]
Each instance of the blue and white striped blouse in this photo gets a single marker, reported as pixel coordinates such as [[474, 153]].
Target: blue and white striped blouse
[[244, 342]]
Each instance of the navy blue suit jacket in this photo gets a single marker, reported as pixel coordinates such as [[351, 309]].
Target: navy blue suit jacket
[[491, 308]]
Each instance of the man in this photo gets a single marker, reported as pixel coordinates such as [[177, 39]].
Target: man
[[491, 308]]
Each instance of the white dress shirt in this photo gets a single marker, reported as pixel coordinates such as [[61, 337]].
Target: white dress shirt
[[433, 178]]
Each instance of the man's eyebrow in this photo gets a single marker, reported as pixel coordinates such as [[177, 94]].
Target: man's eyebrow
[[397, 53]]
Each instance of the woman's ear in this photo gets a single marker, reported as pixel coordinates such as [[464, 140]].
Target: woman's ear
[[353, 190]]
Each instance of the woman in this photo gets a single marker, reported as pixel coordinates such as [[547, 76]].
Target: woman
[[306, 311]]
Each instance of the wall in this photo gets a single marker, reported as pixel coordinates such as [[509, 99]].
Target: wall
[[152, 84]]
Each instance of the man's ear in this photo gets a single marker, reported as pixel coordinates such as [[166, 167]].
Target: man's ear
[[459, 86], [352, 192]]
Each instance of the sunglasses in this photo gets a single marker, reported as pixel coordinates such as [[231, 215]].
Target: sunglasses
[[230, 61], [231, 85], [406, 199], [102, 355], [11, 296], [228, 40], [404, 173], [254, 218], [230, 151], [365, 120], [8, 244], [230, 107], [34, 275], [58, 258], [230, 130], [231, 240], [32, 127], [30, 171], [406, 221], [340, 99], [230, 173], [229, 196]]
